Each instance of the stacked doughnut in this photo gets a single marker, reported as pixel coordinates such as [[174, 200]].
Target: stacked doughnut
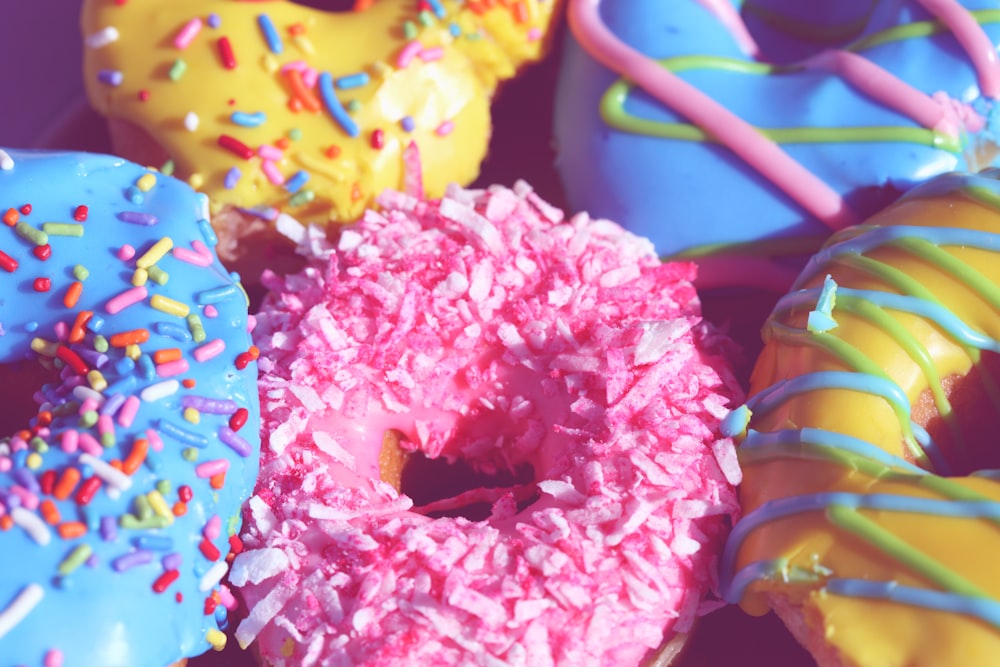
[[558, 382], [870, 495], [120, 493]]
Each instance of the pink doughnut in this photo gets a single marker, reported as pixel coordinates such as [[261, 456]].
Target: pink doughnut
[[562, 366]]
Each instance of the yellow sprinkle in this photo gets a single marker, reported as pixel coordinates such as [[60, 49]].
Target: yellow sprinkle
[[34, 461], [288, 648], [159, 505], [139, 277], [196, 181], [216, 638], [133, 352], [155, 253], [146, 182], [192, 415], [269, 64], [96, 380], [169, 306], [44, 347], [303, 43]]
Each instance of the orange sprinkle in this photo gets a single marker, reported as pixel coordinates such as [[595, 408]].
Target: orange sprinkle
[[24, 434], [167, 354], [188, 383], [44, 419], [254, 352], [180, 508], [116, 464], [125, 338], [11, 217], [73, 293], [283, 143], [333, 152], [300, 92], [6, 523], [136, 457], [294, 104], [355, 192], [362, 5], [521, 12], [67, 482], [49, 512], [476, 8], [76, 332], [217, 481], [70, 529], [296, 29]]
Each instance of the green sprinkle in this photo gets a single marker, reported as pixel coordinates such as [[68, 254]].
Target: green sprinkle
[[164, 487], [190, 454], [39, 445], [101, 343], [143, 509], [233, 525], [29, 233], [62, 229], [88, 419], [409, 30], [195, 327], [177, 69], [75, 559], [130, 522], [353, 106], [302, 197], [425, 18], [158, 275], [108, 440], [80, 272], [167, 168], [295, 134]]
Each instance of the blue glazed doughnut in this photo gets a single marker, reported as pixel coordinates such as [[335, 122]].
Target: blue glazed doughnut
[[750, 130], [120, 496]]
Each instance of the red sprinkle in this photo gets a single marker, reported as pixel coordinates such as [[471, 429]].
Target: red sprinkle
[[42, 252], [179, 597], [209, 550], [87, 490], [243, 360], [163, 582], [80, 213], [226, 53], [235, 146], [210, 605], [239, 419], [42, 284], [378, 139], [7, 263], [26, 209], [73, 360], [185, 493], [143, 95], [235, 544], [47, 481]]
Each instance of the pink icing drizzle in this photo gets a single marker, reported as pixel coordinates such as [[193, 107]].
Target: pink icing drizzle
[[740, 137], [731, 19], [973, 39]]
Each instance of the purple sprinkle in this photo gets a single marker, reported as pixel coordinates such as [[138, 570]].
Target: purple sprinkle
[[406, 122], [111, 77], [138, 218], [234, 441], [109, 528], [93, 561], [232, 178], [111, 405], [172, 561], [130, 560], [211, 406], [93, 357], [27, 479], [213, 20]]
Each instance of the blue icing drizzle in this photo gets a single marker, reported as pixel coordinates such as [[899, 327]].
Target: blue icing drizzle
[[97, 612]]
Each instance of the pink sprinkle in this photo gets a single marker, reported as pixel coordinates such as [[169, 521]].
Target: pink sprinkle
[[126, 415], [269, 152], [431, 54], [298, 65], [105, 426], [309, 77], [187, 34], [211, 468], [88, 404], [200, 256], [69, 441], [61, 330], [17, 443], [89, 444], [172, 368], [408, 53], [126, 252], [154, 440], [445, 128], [28, 499], [53, 658], [5, 463], [272, 172], [209, 350], [129, 297], [227, 597], [213, 527], [211, 311]]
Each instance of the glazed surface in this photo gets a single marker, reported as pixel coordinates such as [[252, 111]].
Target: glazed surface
[[811, 120], [120, 499], [880, 522], [274, 104]]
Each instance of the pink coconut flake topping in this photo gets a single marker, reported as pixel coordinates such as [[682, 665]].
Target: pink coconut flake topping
[[485, 328]]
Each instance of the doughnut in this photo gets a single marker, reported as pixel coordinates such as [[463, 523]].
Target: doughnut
[[490, 437], [870, 493], [276, 106], [810, 117], [120, 492]]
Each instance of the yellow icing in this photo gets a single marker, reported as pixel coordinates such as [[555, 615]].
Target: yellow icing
[[483, 43]]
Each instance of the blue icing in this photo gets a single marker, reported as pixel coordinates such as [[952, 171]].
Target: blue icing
[[94, 614], [685, 194]]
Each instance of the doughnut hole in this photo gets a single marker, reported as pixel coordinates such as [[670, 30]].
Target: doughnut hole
[[966, 443], [331, 6], [787, 32], [18, 381]]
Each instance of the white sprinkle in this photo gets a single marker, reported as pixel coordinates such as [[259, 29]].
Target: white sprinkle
[[191, 121], [155, 392], [290, 228], [82, 393], [102, 37], [26, 600], [116, 478], [6, 161], [32, 524], [213, 576]]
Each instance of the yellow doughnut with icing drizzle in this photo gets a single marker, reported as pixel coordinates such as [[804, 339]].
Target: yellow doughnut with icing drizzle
[[276, 105], [871, 497]]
